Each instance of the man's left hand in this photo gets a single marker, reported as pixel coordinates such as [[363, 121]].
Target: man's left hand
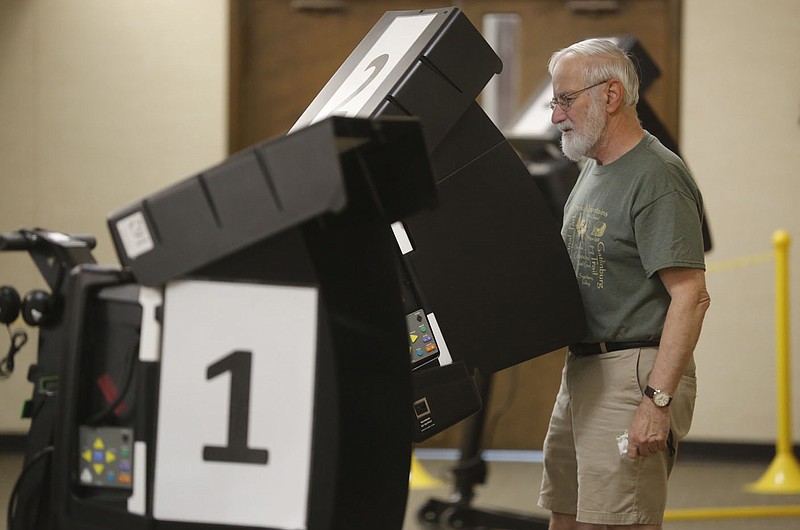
[[649, 430]]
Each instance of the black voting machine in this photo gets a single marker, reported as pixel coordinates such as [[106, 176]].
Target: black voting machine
[[324, 227], [328, 229], [485, 268], [488, 262]]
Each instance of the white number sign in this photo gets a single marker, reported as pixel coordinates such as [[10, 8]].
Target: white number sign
[[235, 404], [379, 68]]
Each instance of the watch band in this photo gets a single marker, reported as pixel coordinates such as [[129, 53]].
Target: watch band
[[658, 397]]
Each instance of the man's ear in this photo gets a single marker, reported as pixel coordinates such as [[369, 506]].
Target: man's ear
[[615, 93]]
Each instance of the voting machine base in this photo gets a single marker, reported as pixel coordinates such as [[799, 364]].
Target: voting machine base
[[457, 512]]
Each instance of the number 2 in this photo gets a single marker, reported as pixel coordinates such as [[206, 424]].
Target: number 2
[[377, 65]]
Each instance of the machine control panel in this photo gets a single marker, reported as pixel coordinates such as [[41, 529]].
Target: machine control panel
[[106, 457], [421, 343]]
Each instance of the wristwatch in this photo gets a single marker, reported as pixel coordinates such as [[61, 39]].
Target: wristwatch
[[659, 397]]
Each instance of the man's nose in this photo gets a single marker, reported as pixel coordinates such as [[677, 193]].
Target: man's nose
[[558, 115]]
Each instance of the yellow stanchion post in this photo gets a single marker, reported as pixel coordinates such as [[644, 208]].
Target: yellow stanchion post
[[419, 478], [783, 474]]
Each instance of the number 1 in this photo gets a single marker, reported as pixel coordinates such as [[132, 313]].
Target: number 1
[[239, 364]]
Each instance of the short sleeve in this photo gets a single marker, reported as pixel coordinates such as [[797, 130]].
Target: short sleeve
[[669, 233]]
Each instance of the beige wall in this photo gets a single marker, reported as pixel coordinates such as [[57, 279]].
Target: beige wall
[[100, 103], [741, 137], [103, 102]]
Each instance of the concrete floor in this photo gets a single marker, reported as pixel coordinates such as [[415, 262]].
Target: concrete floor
[[513, 486]]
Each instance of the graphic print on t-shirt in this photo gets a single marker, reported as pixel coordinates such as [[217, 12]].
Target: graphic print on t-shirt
[[584, 240]]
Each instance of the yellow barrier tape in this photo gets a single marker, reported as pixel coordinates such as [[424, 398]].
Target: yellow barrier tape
[[732, 512], [738, 263]]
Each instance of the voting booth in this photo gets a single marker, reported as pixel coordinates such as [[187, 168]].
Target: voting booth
[[287, 322], [248, 366], [487, 267]]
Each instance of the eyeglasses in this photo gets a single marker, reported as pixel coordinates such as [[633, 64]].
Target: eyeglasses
[[565, 100]]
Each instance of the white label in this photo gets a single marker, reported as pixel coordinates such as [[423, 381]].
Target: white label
[[150, 336], [236, 404], [401, 235], [135, 236], [444, 352], [137, 500]]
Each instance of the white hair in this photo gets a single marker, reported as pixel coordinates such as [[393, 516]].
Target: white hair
[[609, 62]]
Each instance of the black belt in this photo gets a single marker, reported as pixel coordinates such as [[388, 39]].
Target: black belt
[[594, 348]]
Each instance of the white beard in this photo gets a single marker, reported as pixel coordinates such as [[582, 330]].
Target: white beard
[[577, 144]]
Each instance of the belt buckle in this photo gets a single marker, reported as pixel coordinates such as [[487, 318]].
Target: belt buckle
[[603, 348]]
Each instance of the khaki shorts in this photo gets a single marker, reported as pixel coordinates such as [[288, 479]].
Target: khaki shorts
[[584, 473]]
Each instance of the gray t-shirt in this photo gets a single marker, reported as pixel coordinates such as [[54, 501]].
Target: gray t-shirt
[[623, 222]]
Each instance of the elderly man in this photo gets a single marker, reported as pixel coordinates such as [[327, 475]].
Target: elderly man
[[632, 226]]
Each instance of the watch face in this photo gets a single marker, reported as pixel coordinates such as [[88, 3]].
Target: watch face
[[661, 399]]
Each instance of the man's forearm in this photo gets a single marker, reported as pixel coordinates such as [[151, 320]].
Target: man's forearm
[[687, 309]]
